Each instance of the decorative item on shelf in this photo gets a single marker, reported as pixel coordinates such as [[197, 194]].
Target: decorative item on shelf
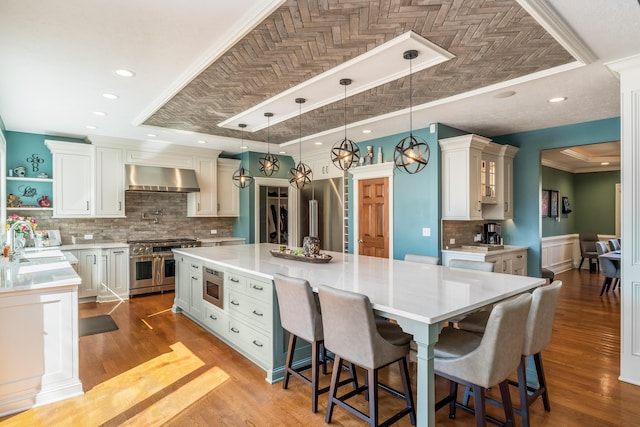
[[300, 175], [20, 171], [35, 161], [368, 158], [311, 245], [269, 164], [242, 177], [28, 191], [13, 201], [44, 201], [412, 153], [345, 153], [42, 175], [379, 155], [10, 172]]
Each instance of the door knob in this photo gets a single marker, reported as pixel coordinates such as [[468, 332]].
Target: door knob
[[360, 241]]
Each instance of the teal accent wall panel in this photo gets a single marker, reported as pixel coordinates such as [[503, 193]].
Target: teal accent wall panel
[[525, 229]]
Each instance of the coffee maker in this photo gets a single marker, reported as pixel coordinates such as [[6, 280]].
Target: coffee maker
[[492, 233]]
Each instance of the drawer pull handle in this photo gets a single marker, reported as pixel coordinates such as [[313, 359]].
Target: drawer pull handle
[[212, 317], [194, 266], [257, 313], [233, 279], [519, 256], [235, 302], [194, 277], [235, 331], [256, 343], [257, 288]]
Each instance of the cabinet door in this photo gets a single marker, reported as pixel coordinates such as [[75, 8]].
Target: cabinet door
[[498, 266], [228, 194], [109, 182], [196, 307], [204, 203], [119, 272], [489, 179], [183, 285], [73, 184], [89, 272]]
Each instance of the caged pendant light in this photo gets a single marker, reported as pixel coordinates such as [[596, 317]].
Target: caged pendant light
[[300, 175], [269, 164], [345, 153], [242, 177], [412, 153]]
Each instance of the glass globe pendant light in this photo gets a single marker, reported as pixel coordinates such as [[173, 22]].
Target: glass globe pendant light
[[300, 175], [269, 164], [412, 153], [345, 153], [242, 177]]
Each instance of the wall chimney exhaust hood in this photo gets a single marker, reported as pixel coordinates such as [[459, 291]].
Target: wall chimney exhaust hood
[[154, 178]]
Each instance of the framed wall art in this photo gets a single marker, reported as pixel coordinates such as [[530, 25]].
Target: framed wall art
[[544, 203], [553, 203]]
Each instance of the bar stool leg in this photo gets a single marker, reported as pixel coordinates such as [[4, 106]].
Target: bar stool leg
[[315, 354], [335, 378], [372, 376], [289, 364], [542, 381], [506, 403]]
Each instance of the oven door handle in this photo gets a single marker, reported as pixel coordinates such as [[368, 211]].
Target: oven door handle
[[160, 270]]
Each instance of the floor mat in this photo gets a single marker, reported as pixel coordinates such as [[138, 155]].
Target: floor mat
[[96, 325]]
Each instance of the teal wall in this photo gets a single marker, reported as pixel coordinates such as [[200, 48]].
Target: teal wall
[[563, 182], [525, 229], [595, 202]]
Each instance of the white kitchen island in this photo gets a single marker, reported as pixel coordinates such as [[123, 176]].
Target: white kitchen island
[[418, 296], [38, 333]]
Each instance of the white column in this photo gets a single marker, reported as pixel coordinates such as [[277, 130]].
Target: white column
[[628, 70]]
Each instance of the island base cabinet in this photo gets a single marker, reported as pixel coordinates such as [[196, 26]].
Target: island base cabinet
[[257, 344], [216, 320]]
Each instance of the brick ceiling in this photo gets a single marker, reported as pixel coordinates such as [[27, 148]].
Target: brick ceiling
[[492, 41]]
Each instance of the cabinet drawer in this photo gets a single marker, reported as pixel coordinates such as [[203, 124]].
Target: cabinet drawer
[[260, 290], [216, 319], [259, 345], [194, 267], [235, 281], [519, 259], [256, 312]]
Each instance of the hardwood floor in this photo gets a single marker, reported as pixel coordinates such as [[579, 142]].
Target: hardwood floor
[[581, 363]]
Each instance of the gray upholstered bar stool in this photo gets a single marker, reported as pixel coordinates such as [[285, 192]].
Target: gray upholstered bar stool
[[423, 259], [300, 316], [537, 337], [483, 361], [352, 334]]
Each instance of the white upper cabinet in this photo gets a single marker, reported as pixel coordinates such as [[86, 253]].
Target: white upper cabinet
[[205, 202], [109, 182], [228, 192], [477, 178], [461, 177], [74, 178]]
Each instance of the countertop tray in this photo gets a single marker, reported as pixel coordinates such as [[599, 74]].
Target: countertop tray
[[318, 259]]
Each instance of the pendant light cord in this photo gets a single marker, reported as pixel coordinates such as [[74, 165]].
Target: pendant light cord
[[345, 111], [410, 97]]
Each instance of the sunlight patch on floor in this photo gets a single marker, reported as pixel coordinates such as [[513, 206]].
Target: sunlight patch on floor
[[114, 396]]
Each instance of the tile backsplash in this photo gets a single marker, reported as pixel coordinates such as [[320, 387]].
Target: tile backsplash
[[461, 231], [172, 223]]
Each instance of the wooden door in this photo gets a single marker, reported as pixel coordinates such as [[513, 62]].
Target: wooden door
[[373, 217]]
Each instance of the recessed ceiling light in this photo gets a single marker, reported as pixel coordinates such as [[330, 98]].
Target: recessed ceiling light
[[110, 96], [202, 141], [91, 127], [505, 94], [282, 152], [244, 147], [100, 113], [151, 135], [605, 163], [318, 143], [367, 131], [557, 99], [125, 73]]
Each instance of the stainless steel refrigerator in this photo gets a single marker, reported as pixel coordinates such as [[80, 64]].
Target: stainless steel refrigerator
[[328, 195]]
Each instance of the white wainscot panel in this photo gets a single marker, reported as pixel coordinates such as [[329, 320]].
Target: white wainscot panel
[[560, 253]]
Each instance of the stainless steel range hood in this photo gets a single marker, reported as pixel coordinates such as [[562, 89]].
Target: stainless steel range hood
[[153, 178]]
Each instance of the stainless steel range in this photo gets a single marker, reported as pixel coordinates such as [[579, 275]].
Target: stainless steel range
[[152, 267]]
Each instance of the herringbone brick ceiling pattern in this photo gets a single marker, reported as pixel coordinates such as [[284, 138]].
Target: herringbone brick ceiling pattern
[[492, 40]]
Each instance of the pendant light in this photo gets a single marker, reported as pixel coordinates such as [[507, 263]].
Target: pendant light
[[345, 153], [412, 153], [242, 177], [301, 174], [269, 164]]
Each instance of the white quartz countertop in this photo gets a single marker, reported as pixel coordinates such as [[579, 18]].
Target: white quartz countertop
[[507, 249], [37, 272], [222, 239], [94, 245], [426, 293]]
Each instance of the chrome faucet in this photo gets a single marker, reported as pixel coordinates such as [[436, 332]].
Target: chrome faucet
[[11, 236]]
